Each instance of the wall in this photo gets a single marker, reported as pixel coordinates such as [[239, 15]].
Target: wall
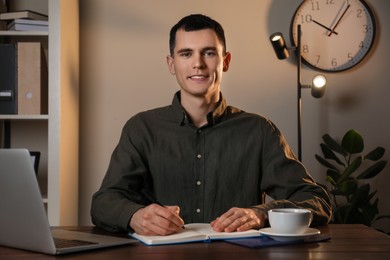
[[123, 71]]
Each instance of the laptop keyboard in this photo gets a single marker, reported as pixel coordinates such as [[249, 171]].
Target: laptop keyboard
[[64, 243]]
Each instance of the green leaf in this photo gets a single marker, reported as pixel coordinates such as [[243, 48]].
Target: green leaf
[[373, 170], [369, 211], [351, 168], [331, 180], [375, 154], [366, 200], [352, 142], [345, 188], [335, 175], [329, 154], [369, 197], [333, 145], [348, 187], [361, 193], [341, 214], [325, 162], [382, 217], [358, 201]]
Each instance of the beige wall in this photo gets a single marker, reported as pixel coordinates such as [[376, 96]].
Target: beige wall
[[123, 71]]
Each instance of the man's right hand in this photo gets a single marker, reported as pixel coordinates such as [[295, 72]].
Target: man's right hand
[[157, 220]]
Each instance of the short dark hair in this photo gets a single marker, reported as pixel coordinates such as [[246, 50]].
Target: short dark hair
[[196, 22]]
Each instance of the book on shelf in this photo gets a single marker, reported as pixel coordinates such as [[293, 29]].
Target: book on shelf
[[23, 79], [8, 79], [28, 25], [3, 9], [195, 232], [32, 79], [26, 14]]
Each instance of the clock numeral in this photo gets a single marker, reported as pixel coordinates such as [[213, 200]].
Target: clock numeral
[[350, 56], [359, 13], [315, 6], [305, 48], [318, 58], [365, 28], [334, 62], [306, 18], [361, 45], [330, 2]]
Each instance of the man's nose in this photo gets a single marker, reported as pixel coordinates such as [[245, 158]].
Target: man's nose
[[198, 62]]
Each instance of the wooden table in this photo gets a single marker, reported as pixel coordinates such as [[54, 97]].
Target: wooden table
[[347, 242]]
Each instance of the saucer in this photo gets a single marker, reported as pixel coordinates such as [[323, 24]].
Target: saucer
[[289, 237]]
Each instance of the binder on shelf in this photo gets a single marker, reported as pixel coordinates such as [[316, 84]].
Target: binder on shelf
[[23, 14], [3, 9], [32, 80], [28, 25], [8, 79]]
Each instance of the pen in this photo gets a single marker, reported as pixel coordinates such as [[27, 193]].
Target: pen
[[152, 199]]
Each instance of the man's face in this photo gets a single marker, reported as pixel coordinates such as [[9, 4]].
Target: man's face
[[198, 62]]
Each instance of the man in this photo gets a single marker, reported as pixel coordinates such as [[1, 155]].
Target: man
[[203, 160]]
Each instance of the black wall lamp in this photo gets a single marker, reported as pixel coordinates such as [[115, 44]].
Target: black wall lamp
[[318, 83]]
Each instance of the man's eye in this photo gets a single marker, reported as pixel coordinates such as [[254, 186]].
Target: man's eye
[[185, 54], [209, 53]]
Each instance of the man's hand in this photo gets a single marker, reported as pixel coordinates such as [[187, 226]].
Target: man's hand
[[239, 219], [157, 220]]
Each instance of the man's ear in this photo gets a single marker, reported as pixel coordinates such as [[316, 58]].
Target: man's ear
[[171, 65], [226, 61]]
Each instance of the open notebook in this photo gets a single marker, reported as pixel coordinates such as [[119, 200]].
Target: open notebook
[[23, 220], [194, 232]]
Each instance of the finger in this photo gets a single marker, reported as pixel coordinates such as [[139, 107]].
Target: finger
[[171, 213], [141, 222], [155, 220], [174, 209], [159, 229], [236, 223], [247, 226], [254, 221], [226, 220], [212, 223], [237, 219]]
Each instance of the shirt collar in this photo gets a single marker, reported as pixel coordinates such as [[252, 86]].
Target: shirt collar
[[214, 117]]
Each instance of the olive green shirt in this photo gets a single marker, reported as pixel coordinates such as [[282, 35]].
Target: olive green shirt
[[229, 162]]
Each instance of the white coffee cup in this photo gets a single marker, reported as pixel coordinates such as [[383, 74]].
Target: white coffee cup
[[289, 220]]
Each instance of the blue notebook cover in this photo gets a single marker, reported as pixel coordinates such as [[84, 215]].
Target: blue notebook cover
[[266, 241]]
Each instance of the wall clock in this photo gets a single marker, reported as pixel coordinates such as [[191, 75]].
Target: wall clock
[[336, 34]]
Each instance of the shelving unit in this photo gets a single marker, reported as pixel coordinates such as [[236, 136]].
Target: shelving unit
[[56, 134], [24, 33]]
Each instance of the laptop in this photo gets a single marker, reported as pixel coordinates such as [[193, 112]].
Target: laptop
[[23, 219]]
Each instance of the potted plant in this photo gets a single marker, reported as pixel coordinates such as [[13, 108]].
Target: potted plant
[[352, 197]]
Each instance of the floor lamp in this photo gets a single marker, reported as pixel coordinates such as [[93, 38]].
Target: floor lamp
[[318, 83]]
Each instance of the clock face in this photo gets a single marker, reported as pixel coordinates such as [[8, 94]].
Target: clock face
[[335, 34]]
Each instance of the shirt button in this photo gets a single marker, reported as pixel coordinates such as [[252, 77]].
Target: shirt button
[[199, 131], [198, 183], [199, 156], [197, 210]]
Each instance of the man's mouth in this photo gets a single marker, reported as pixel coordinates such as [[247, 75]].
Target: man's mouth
[[198, 77]]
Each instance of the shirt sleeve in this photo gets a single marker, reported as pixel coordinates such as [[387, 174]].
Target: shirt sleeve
[[287, 181], [119, 197]]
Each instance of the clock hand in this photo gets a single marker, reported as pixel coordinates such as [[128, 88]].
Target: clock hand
[[323, 26], [341, 17]]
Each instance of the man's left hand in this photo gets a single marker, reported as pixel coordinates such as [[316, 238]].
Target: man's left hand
[[239, 219]]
